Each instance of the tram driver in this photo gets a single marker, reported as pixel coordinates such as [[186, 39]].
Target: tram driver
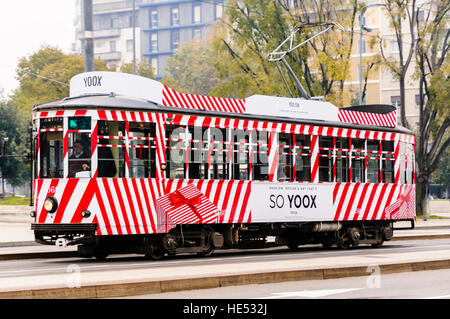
[[79, 160]]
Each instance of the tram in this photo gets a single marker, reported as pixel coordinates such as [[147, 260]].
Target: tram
[[126, 164]]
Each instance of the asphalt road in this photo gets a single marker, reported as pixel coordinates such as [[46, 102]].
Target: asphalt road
[[49, 266], [431, 284]]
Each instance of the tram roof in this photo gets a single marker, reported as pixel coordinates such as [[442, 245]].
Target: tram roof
[[117, 102]]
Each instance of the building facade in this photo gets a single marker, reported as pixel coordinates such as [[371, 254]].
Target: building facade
[[113, 30], [382, 85], [167, 24], [161, 26]]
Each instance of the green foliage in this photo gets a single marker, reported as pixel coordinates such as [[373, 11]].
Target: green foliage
[[14, 125], [254, 28], [191, 69], [45, 76], [142, 69]]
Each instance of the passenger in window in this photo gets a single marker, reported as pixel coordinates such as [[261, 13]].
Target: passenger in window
[[76, 162]]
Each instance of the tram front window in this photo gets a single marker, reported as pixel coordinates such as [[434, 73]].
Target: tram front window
[[51, 148], [79, 146], [80, 158]]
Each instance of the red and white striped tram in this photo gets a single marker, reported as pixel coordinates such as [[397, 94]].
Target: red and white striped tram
[[126, 164]]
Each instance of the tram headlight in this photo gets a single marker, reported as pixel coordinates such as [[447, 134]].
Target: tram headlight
[[85, 213], [50, 204]]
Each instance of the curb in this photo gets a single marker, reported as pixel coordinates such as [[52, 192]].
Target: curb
[[153, 287]]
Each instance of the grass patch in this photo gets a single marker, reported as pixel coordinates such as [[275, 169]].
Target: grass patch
[[10, 201]]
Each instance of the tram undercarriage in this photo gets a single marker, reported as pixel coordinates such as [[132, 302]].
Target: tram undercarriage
[[205, 239]]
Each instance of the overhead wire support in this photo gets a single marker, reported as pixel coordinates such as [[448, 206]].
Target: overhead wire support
[[278, 55]]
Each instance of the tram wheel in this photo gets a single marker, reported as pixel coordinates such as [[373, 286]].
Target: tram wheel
[[154, 252], [207, 252], [343, 244]]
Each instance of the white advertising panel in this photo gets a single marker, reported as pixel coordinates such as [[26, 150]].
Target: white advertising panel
[[293, 108], [291, 202], [103, 82]]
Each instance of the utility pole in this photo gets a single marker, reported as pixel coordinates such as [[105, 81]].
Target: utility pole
[[134, 36], [88, 36]]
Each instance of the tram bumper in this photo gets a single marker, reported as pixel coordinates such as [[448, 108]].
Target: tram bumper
[[48, 234]]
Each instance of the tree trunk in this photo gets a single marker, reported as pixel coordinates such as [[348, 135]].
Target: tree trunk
[[422, 185]]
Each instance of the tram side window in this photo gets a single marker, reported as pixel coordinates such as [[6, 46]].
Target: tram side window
[[240, 159], [79, 146], [260, 157], [325, 159], [358, 167], [302, 152], [402, 158], [373, 161], [51, 148], [176, 151], [285, 156], [142, 149], [410, 163], [342, 159], [111, 148], [198, 152], [387, 161], [219, 153]]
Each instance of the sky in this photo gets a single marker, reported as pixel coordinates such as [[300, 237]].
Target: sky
[[26, 25]]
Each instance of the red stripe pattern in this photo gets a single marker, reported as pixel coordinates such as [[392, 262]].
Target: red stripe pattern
[[376, 119], [201, 102]]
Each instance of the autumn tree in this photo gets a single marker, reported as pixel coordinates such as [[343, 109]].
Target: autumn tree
[[251, 29], [433, 73], [191, 69], [45, 76], [402, 16], [142, 69]]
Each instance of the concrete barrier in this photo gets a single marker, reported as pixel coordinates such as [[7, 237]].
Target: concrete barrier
[[152, 287]]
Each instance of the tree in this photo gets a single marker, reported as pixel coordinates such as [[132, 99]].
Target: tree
[[45, 76], [142, 69], [433, 72], [402, 15], [15, 126], [191, 69], [252, 29]]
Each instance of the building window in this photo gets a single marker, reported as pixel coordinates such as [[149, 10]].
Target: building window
[[129, 45], [175, 39], [218, 10], [175, 16], [154, 63], [154, 18], [417, 100], [394, 46], [112, 46], [196, 13], [395, 101], [154, 42], [197, 34]]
